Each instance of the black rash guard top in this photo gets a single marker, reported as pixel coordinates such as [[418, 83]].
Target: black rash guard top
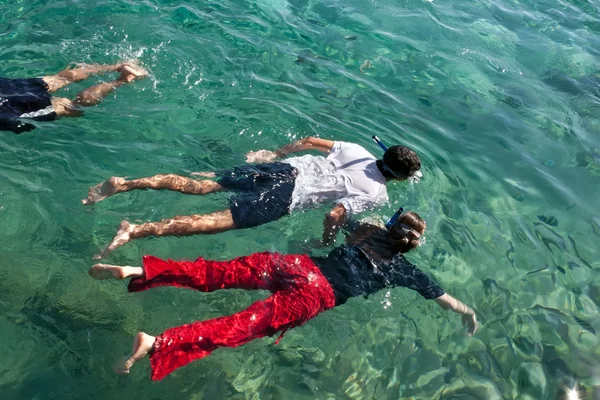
[[352, 273]]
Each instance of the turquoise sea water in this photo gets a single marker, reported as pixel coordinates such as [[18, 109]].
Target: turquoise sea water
[[500, 98]]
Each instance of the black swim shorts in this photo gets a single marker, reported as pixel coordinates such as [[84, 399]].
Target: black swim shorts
[[24, 98], [265, 192]]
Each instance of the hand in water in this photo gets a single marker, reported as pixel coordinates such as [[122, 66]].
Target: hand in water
[[470, 320], [261, 156]]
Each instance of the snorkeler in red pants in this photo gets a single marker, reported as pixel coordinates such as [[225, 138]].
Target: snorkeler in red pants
[[302, 287]]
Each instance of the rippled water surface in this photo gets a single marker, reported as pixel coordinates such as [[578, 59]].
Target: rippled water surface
[[500, 98]]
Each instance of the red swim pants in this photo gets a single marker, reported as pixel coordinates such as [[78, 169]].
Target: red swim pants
[[299, 293]]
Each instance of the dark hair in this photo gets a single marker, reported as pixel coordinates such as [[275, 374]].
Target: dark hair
[[382, 244], [402, 160]]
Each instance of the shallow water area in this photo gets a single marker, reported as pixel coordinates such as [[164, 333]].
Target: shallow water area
[[500, 99]]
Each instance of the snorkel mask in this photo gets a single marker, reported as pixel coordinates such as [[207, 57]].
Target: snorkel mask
[[414, 177], [404, 227]]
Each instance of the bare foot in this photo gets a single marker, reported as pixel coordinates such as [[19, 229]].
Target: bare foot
[[107, 271], [142, 344], [103, 190], [122, 237], [130, 72]]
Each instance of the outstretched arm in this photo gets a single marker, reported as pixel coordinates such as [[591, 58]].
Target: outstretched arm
[[309, 143], [305, 144], [448, 302]]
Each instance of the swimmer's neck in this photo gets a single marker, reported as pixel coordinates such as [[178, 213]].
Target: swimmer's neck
[[388, 177]]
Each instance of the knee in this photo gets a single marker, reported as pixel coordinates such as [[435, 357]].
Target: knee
[[195, 187], [171, 181], [68, 74]]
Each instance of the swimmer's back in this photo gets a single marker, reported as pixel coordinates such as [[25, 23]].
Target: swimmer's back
[[348, 175]]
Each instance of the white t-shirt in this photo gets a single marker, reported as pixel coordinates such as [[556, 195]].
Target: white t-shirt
[[348, 176]]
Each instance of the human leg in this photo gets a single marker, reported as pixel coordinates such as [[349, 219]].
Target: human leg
[[95, 94], [81, 72], [262, 204], [256, 271], [179, 346], [107, 271], [216, 222], [173, 182], [142, 344], [64, 107]]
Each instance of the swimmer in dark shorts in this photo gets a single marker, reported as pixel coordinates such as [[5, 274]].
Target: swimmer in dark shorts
[[23, 99], [350, 179], [302, 287]]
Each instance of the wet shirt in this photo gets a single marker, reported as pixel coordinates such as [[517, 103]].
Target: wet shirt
[[347, 176], [351, 273]]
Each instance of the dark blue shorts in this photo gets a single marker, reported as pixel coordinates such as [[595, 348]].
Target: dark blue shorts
[[22, 96], [265, 192]]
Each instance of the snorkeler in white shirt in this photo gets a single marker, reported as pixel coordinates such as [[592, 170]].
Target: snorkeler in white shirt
[[350, 178]]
